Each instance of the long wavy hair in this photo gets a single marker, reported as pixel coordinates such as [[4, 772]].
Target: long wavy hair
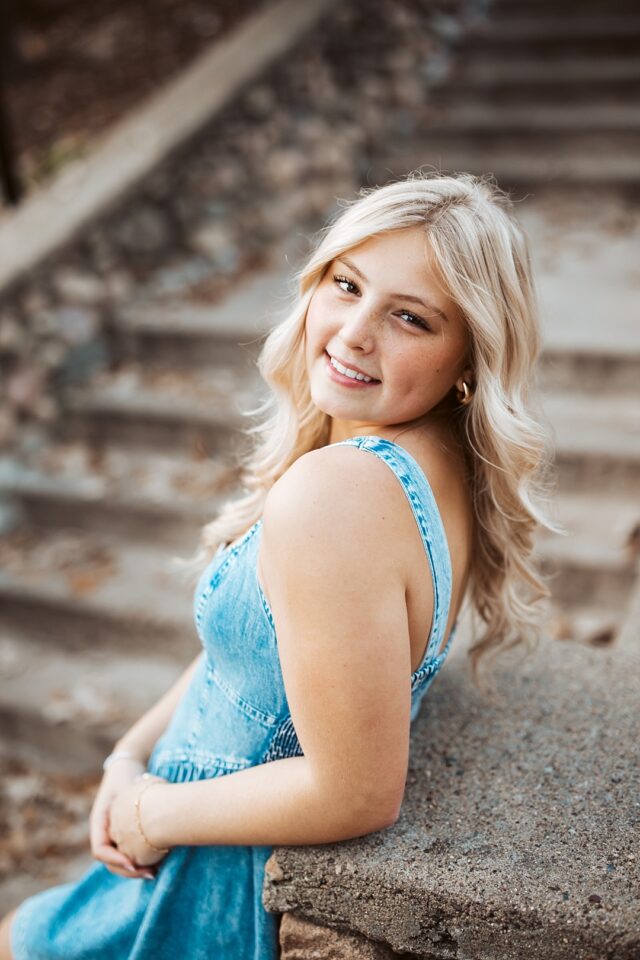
[[482, 254]]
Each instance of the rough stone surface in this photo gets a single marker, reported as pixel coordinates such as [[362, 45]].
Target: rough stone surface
[[518, 834], [301, 939]]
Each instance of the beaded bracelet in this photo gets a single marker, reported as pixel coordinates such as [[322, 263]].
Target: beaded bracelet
[[149, 777]]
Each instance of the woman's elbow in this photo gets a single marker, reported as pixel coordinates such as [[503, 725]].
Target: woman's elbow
[[357, 809], [364, 824], [377, 814]]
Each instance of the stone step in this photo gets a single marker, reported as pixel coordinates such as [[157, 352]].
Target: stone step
[[612, 423], [66, 712], [167, 340], [525, 9], [554, 36], [597, 440], [480, 70], [509, 28], [581, 255], [484, 116], [524, 93], [599, 529], [572, 144], [597, 558], [586, 624], [196, 411], [134, 495], [166, 335], [165, 330], [589, 371], [77, 590], [527, 160]]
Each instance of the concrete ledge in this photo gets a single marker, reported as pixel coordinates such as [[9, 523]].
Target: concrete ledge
[[301, 939], [134, 146], [518, 837]]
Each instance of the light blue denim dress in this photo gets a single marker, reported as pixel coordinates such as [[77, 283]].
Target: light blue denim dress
[[206, 901]]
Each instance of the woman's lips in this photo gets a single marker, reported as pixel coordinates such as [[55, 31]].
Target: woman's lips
[[343, 379]]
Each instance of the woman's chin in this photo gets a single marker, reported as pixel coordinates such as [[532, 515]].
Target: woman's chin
[[333, 408]]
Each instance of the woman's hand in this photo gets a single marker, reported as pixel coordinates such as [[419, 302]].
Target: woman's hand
[[126, 824], [118, 776]]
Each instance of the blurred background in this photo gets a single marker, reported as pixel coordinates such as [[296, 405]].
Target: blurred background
[[164, 168]]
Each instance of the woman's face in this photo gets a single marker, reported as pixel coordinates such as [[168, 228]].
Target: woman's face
[[380, 309]]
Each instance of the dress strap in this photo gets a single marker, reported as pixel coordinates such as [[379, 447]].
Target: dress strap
[[425, 510]]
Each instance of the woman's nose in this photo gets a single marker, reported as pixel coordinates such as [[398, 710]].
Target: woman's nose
[[359, 327]]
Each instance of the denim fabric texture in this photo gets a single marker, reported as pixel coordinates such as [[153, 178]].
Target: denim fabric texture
[[206, 901]]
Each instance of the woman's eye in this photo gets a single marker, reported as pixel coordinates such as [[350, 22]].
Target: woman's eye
[[339, 279], [415, 321]]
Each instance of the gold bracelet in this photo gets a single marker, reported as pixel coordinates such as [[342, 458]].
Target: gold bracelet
[[139, 821]]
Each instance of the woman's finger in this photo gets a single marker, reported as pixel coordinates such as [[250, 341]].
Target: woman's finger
[[99, 828], [118, 863], [111, 856], [105, 849], [142, 874], [102, 846]]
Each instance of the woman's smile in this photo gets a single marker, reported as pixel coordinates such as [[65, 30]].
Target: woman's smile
[[345, 380]]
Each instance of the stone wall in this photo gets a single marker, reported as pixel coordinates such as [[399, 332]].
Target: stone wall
[[517, 839]]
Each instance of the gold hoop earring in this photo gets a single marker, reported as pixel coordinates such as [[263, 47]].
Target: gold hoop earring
[[465, 395]]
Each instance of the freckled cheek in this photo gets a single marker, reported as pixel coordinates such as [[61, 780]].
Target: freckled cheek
[[423, 378]]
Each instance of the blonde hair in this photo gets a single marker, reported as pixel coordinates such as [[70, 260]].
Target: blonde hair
[[482, 255]]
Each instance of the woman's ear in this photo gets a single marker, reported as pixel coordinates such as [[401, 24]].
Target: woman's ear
[[467, 377]]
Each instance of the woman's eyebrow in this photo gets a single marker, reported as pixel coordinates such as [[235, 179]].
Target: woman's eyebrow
[[398, 296]]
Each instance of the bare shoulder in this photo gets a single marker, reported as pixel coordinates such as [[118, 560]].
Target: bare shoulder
[[336, 494]]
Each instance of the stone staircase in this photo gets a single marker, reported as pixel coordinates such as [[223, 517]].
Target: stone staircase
[[540, 93], [143, 457], [96, 620]]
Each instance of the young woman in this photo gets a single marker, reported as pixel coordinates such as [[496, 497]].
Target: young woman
[[396, 470]]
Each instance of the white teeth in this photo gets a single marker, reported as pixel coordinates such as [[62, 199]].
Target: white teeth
[[347, 372]]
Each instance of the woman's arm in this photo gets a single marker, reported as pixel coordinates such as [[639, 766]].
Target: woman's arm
[[284, 802], [141, 738], [118, 779], [333, 550]]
